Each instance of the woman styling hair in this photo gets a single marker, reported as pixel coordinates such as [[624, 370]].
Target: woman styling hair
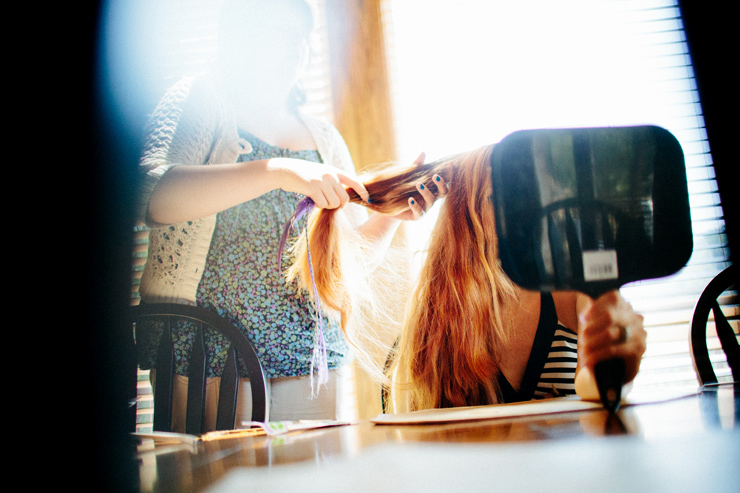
[[227, 159], [470, 336]]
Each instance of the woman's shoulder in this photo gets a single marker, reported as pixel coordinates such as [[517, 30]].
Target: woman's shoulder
[[183, 126], [566, 306], [190, 95]]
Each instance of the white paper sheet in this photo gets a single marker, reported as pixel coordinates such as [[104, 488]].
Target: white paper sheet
[[518, 409]]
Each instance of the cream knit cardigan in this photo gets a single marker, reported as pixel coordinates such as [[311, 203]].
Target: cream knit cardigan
[[193, 125]]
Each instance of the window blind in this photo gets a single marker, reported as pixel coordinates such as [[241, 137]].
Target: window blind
[[467, 73]]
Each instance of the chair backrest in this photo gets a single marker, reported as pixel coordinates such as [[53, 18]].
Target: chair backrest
[[567, 230], [708, 302], [229, 386]]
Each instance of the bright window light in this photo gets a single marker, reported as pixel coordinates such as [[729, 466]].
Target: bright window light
[[468, 73]]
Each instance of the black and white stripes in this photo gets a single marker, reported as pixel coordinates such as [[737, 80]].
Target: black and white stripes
[[558, 375]]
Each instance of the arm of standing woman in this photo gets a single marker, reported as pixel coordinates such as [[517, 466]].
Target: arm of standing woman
[[189, 192]]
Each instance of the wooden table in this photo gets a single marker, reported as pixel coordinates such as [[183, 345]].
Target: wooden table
[[686, 444]]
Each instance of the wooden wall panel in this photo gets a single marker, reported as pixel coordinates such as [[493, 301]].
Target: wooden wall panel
[[360, 83]]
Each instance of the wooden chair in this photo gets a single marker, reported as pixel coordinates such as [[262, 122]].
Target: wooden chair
[[229, 387], [708, 301]]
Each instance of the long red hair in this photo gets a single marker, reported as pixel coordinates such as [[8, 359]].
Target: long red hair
[[453, 331]]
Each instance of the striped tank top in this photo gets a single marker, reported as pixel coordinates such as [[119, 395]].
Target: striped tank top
[[551, 368]]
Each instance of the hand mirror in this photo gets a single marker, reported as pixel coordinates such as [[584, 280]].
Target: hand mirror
[[591, 209]]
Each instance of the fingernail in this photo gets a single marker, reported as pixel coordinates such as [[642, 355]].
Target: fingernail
[[421, 185], [438, 178], [412, 201]]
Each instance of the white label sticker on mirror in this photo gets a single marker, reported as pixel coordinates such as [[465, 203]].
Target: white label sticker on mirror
[[600, 265]]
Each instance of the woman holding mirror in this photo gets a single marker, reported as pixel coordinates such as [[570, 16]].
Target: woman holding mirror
[[470, 335]]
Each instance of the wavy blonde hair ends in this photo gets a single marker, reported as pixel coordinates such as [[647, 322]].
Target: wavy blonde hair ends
[[453, 330]]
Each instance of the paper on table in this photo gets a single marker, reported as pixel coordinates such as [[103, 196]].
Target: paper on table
[[250, 428], [167, 438], [519, 409], [516, 409], [273, 428]]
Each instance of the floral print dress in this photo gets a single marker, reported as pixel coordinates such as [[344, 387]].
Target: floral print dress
[[240, 282]]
